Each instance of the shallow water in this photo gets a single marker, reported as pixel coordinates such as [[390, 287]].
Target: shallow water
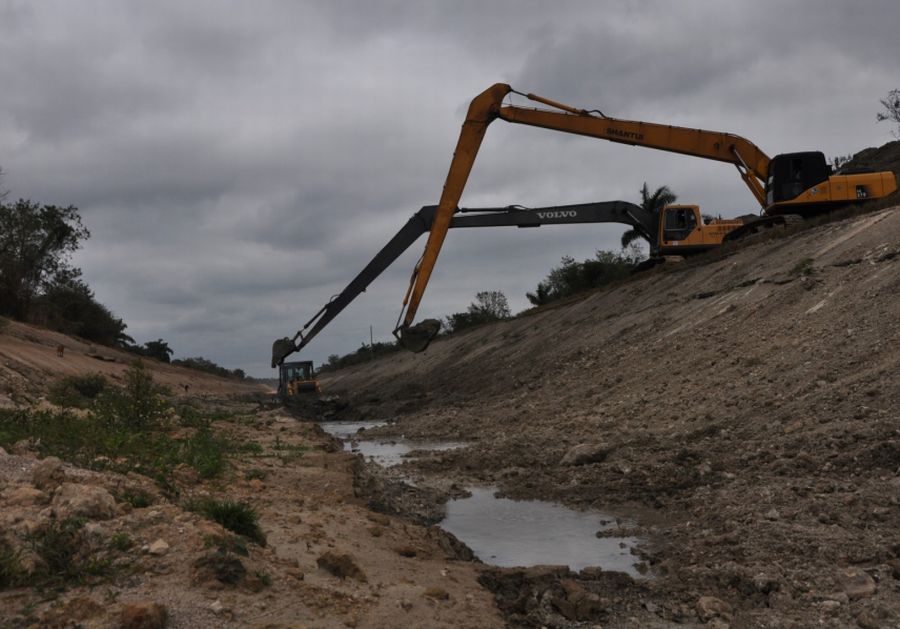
[[389, 452], [386, 451], [345, 430], [508, 533]]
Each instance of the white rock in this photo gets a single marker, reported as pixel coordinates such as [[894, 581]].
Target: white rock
[[89, 501], [159, 547]]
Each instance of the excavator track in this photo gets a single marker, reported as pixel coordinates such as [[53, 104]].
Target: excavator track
[[760, 226]]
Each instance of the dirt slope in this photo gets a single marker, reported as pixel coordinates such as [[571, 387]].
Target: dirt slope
[[328, 560], [29, 360], [748, 408]]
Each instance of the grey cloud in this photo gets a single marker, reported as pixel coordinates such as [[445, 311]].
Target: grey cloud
[[238, 163]]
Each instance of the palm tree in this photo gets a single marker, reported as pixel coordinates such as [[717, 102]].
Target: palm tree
[[654, 203]]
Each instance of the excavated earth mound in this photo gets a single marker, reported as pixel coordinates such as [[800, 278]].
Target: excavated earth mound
[[746, 410], [885, 157]]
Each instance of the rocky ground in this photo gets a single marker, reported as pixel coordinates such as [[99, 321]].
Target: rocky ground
[[143, 559], [744, 407]]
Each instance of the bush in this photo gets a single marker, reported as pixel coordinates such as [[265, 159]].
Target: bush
[[140, 405], [199, 363], [136, 497], [236, 516], [12, 574], [364, 354], [78, 391], [489, 306], [66, 553], [576, 277], [70, 307], [121, 541]]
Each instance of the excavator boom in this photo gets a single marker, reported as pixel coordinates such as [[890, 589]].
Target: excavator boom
[[488, 106], [751, 162], [423, 220], [800, 183]]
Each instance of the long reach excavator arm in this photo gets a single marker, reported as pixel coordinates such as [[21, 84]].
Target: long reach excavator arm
[[796, 182], [423, 220]]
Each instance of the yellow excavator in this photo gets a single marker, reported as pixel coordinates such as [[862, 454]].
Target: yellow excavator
[[667, 233], [786, 186]]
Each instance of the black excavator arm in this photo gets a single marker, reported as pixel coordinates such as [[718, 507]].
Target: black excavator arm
[[512, 216]]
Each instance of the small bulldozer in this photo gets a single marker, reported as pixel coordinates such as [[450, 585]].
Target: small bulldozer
[[297, 380]]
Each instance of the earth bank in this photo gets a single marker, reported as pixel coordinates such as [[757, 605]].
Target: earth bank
[[746, 404]]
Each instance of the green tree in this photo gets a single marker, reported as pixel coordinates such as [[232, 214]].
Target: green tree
[[35, 244], [891, 113], [69, 305], [490, 305], [158, 349], [573, 277], [654, 203]]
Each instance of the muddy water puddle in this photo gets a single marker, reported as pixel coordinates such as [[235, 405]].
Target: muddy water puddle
[[345, 430], [384, 451], [511, 533], [503, 532]]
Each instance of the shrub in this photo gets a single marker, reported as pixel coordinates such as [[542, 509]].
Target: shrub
[[227, 544], [804, 267], [236, 516], [205, 452], [364, 354], [574, 277], [136, 497], [140, 405], [255, 474], [78, 391], [488, 306], [121, 541], [66, 554], [11, 572]]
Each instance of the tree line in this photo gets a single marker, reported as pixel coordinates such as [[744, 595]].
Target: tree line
[[40, 285]]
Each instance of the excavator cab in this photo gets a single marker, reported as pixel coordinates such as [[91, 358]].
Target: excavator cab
[[679, 221], [790, 174], [297, 378], [683, 231]]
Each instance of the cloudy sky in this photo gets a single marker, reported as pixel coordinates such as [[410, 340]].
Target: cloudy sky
[[239, 162]]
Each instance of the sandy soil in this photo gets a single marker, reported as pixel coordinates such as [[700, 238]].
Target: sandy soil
[[329, 561], [745, 406], [29, 362]]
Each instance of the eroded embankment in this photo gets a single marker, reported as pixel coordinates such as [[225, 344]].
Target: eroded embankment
[[749, 405]]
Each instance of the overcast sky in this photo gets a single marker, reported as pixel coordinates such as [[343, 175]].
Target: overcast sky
[[239, 162]]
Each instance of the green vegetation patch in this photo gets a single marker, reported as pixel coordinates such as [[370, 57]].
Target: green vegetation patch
[[803, 268], [78, 391], [67, 554], [255, 474], [125, 429], [236, 516]]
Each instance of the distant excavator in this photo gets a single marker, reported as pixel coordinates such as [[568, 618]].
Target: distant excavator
[[786, 186], [668, 234]]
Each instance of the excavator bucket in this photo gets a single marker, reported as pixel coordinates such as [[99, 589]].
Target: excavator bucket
[[281, 349], [417, 338]]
